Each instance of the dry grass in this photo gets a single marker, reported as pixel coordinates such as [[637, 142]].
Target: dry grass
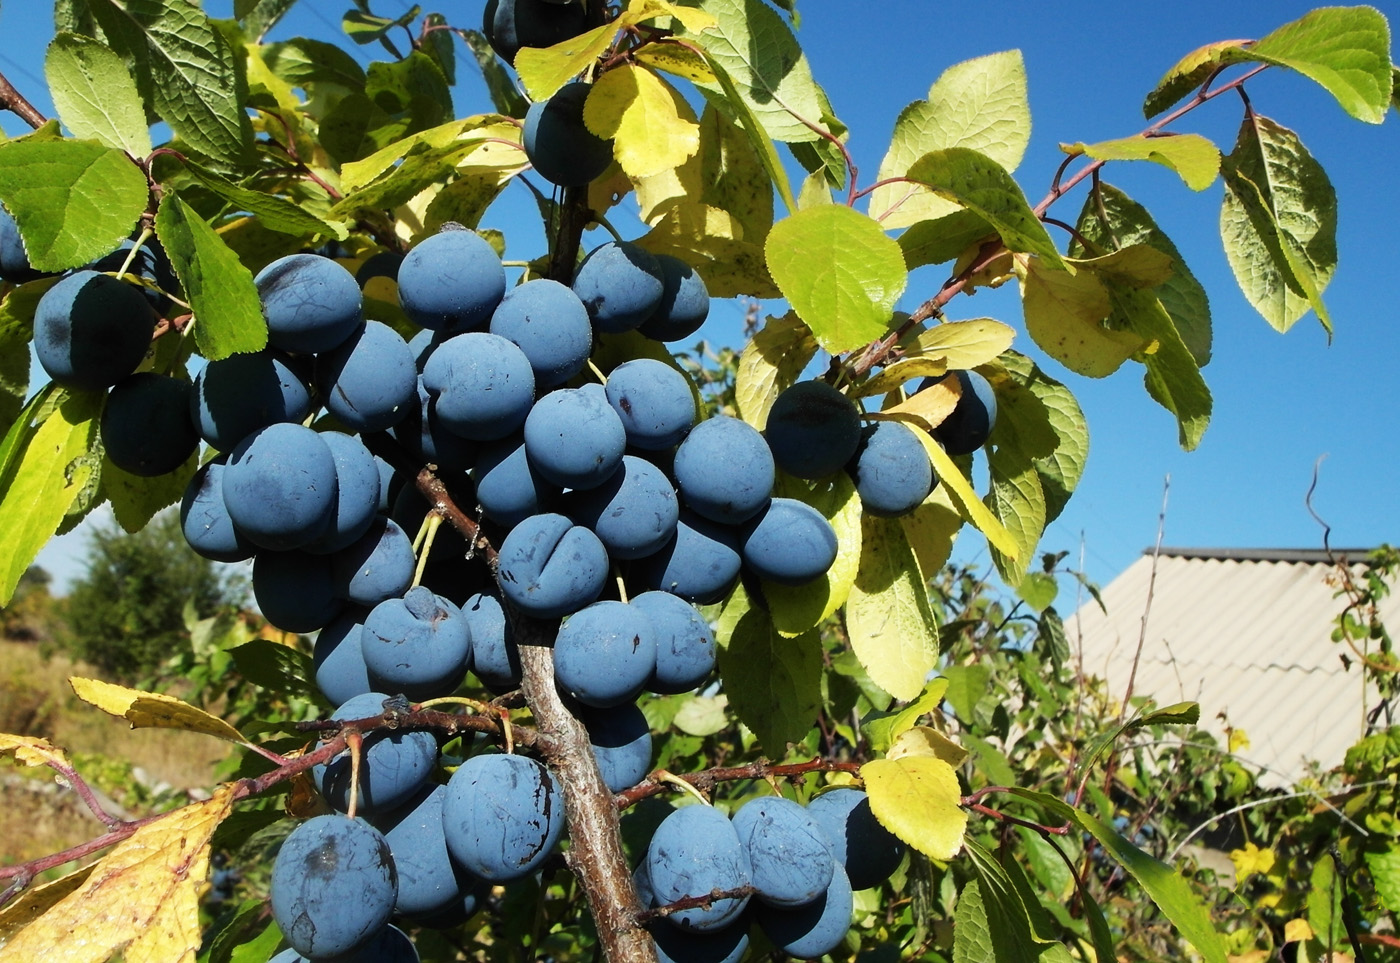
[[36, 700]]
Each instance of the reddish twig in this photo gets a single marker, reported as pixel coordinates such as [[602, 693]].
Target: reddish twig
[[15, 102]]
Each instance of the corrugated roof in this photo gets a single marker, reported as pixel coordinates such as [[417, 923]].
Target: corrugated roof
[[1248, 635]]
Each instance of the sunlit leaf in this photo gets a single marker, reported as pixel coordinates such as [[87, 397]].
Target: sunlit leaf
[[916, 798], [151, 709]]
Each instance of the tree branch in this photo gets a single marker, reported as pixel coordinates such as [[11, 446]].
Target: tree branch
[[13, 101]]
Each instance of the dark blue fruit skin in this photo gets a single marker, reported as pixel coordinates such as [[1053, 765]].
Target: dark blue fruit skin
[[724, 470], [333, 885], [146, 427], [482, 385], [685, 302], [685, 646], [280, 487], [150, 264], [394, 766], [694, 851], [237, 395], [512, 24], [969, 425], [418, 645], [621, 741], [728, 944], [91, 330], [451, 281], [604, 654], [370, 381], [633, 513], [205, 519], [813, 429], [700, 564], [508, 489], [379, 565], [311, 303], [868, 851], [620, 284], [547, 321], [891, 470], [295, 591], [429, 881], [14, 261], [425, 437], [563, 150], [337, 659], [574, 438], [815, 929], [502, 816], [495, 659], [550, 567], [791, 859], [791, 543], [389, 945], [654, 401], [356, 493]]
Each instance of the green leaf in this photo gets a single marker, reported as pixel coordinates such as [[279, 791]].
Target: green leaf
[[1385, 873], [260, 16], [917, 799], [1345, 49], [1038, 590], [966, 685], [95, 94], [840, 273], [1180, 713], [184, 68], [889, 620], [500, 85], [1016, 499], [972, 931], [1128, 224], [1067, 316], [884, 729], [228, 315], [979, 104], [1193, 157], [771, 362], [1279, 223], [773, 682], [1189, 73], [756, 50], [275, 213], [73, 201], [1055, 411], [943, 238], [276, 667], [1163, 885], [797, 608], [39, 481], [135, 500], [974, 181], [16, 331], [758, 136], [1173, 377], [313, 65], [1012, 918]]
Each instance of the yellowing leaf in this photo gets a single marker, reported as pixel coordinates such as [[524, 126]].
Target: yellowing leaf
[[141, 899], [1296, 931], [927, 741], [1251, 860], [916, 798], [651, 126], [931, 529], [1194, 158], [543, 70], [151, 709], [963, 344], [1190, 72], [889, 620], [772, 361], [1065, 315], [965, 498], [31, 750], [677, 60], [926, 407], [1239, 739], [893, 376], [35, 901]]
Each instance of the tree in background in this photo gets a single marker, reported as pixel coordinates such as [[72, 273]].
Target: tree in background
[[126, 613], [31, 614]]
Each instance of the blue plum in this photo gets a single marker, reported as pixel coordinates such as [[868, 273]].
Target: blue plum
[[814, 929], [295, 590], [791, 859], [791, 543], [728, 944], [379, 565], [356, 493], [574, 438], [868, 851], [684, 305], [495, 659], [482, 385], [604, 654], [724, 470], [91, 330], [508, 489], [549, 567], [311, 303], [692, 853], [205, 520], [813, 429], [620, 284], [685, 646], [395, 763], [429, 881], [655, 402], [548, 322], [333, 885], [891, 470], [337, 659], [621, 741], [369, 382], [237, 395], [451, 281], [422, 433], [700, 563], [418, 645], [971, 422], [633, 513], [558, 143], [502, 816], [280, 486], [146, 427], [389, 945], [512, 24], [14, 261]]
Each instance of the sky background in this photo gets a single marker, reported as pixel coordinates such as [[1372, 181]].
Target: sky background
[[1282, 402]]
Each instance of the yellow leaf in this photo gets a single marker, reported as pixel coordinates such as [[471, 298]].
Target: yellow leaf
[[931, 529], [965, 499], [1065, 315], [963, 344], [916, 798], [1251, 860], [693, 20], [652, 128], [772, 361], [675, 59], [152, 709], [35, 901], [889, 620], [543, 70], [1296, 931], [142, 898], [894, 375], [927, 407], [31, 750], [927, 741], [1239, 739]]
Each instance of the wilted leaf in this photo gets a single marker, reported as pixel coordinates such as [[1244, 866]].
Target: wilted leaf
[[151, 709], [31, 750]]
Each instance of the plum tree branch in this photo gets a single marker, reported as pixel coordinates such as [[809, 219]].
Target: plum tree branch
[[706, 780], [15, 102]]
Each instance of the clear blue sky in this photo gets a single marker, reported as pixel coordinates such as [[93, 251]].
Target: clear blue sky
[[1281, 401]]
